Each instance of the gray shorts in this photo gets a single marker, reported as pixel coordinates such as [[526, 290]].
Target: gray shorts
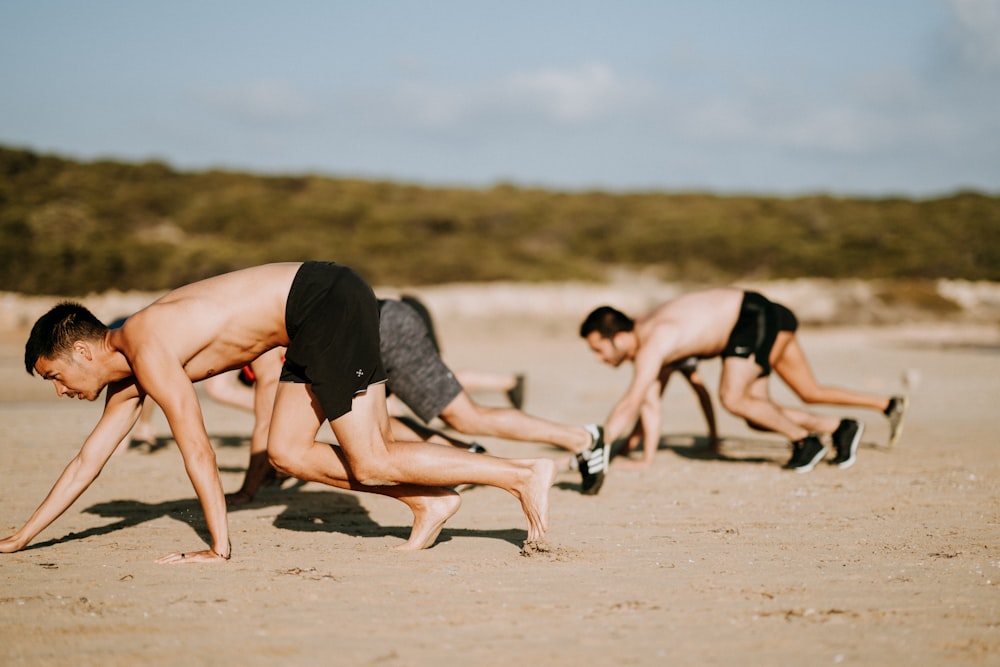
[[417, 374]]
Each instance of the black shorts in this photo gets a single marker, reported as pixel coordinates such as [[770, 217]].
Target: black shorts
[[417, 374], [332, 321], [756, 329]]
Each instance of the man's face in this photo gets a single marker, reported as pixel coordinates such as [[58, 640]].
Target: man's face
[[605, 349], [72, 375]]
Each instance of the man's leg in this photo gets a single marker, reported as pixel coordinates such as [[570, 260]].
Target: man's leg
[[293, 449], [790, 363], [466, 416], [408, 429], [745, 394], [590, 452], [811, 422], [373, 458]]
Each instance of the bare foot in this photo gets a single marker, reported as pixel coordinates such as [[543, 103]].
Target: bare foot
[[534, 496], [531, 548], [429, 516]]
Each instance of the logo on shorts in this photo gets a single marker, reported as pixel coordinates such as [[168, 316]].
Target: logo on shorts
[[359, 372]]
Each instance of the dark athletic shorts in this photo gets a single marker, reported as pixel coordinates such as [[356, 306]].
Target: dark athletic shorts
[[756, 328], [332, 322], [417, 374]]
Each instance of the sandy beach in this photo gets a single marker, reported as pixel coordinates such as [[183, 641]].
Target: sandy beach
[[704, 560]]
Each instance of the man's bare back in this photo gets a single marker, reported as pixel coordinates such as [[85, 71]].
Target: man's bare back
[[697, 324], [239, 316]]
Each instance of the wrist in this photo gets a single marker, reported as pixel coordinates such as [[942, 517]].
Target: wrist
[[228, 553]]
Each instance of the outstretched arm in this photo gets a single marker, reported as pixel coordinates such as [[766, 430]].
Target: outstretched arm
[[165, 380], [650, 424], [649, 361], [120, 413]]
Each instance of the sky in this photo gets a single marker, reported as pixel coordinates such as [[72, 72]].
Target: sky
[[786, 97]]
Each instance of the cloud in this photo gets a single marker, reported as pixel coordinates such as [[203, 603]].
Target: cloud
[[263, 101], [565, 97], [977, 33]]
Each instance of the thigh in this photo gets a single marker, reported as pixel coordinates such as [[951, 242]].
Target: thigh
[[295, 419], [792, 366], [740, 377], [363, 433]]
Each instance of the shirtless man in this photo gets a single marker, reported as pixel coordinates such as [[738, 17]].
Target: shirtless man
[[752, 335], [327, 318]]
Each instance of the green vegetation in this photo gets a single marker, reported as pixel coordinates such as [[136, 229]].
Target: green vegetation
[[69, 227]]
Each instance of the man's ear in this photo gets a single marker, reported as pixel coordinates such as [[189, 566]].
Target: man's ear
[[83, 348]]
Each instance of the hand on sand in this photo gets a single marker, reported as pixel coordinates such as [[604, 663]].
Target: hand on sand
[[631, 464], [10, 544]]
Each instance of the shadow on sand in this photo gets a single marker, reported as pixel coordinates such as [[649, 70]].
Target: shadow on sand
[[731, 450], [328, 511]]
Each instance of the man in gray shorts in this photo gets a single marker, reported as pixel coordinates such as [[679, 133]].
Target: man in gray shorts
[[418, 376]]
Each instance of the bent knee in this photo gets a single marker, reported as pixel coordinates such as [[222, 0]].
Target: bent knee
[[734, 404], [281, 462], [465, 419]]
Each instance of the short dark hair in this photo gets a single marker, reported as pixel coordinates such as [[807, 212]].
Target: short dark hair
[[606, 321], [55, 332]]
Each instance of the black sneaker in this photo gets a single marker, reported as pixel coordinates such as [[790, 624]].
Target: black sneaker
[[845, 442], [516, 393], [593, 462], [796, 455], [895, 411], [806, 453]]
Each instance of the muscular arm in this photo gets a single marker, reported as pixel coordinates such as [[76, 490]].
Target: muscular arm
[[160, 373], [650, 422], [648, 363], [120, 413]]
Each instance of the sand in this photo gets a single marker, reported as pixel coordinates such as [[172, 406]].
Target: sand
[[699, 560]]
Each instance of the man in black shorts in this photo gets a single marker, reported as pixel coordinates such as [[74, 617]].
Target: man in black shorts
[[327, 318], [752, 335]]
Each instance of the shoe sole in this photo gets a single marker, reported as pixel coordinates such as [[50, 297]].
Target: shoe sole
[[807, 467], [592, 491], [854, 448], [894, 435]]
